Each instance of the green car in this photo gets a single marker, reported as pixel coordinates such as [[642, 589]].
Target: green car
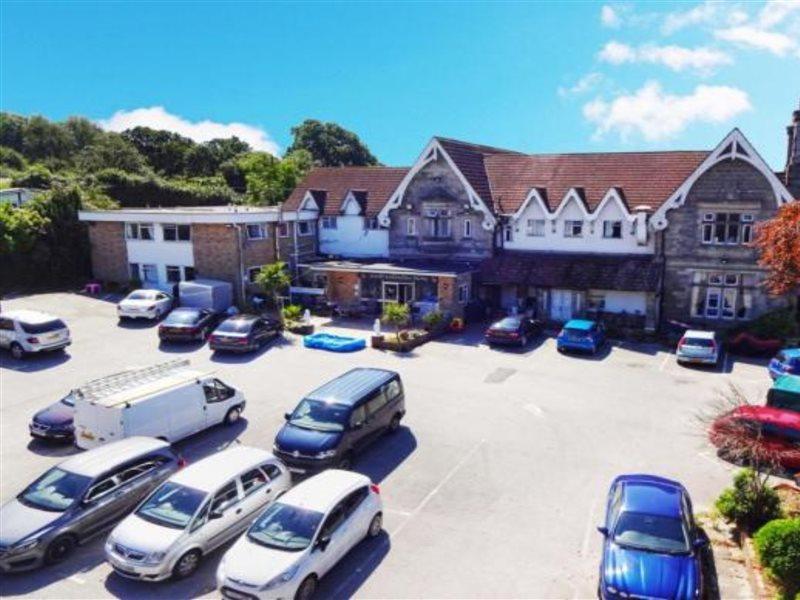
[[785, 393]]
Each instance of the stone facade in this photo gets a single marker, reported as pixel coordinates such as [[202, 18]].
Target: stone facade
[[109, 253], [717, 284], [435, 188], [793, 155]]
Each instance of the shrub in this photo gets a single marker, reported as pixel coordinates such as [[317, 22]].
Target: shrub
[[433, 319], [395, 314], [293, 312], [777, 324], [778, 546], [37, 177], [750, 502]]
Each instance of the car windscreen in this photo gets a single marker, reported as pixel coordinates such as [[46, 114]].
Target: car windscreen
[[69, 399], [56, 490], [171, 505], [182, 317], [321, 416], [141, 296], [656, 533], [235, 326], [698, 342], [44, 327], [575, 334], [507, 324], [285, 527]]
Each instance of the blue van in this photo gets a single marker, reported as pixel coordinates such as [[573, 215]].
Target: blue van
[[582, 335], [336, 421]]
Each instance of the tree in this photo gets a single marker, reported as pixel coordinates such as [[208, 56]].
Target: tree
[[11, 159], [43, 139], [331, 145], [19, 228], [395, 314], [165, 151], [268, 180], [37, 177], [273, 279], [778, 241], [111, 151], [12, 128], [82, 132]]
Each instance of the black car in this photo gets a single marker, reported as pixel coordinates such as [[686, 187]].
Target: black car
[[336, 421], [244, 333], [55, 421], [187, 324], [513, 330]]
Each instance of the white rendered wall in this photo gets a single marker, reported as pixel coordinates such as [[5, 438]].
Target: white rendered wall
[[350, 239], [629, 302], [160, 253]]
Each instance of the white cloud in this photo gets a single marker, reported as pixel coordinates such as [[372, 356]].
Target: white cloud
[[656, 115], [702, 13], [585, 84], [609, 17], [775, 12], [157, 117], [758, 38], [701, 59]]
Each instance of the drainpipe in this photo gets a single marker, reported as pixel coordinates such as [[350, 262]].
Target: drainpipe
[[659, 240], [242, 290], [296, 250]]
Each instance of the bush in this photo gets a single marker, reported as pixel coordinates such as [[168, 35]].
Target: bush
[[292, 312], [37, 177], [433, 319], [778, 546], [778, 324], [750, 502]]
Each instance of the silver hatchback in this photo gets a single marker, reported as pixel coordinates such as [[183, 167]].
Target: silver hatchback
[[698, 347], [80, 498]]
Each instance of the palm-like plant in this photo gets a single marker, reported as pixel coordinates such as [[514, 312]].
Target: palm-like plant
[[395, 314], [273, 279]]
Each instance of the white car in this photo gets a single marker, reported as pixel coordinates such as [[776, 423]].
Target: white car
[[195, 511], [698, 347], [301, 537], [28, 331], [144, 304]]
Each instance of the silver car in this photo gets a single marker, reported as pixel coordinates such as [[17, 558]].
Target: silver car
[[698, 347], [80, 498]]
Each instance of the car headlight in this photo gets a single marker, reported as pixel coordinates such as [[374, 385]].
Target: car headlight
[[280, 579], [154, 558], [612, 590], [325, 454], [24, 546]]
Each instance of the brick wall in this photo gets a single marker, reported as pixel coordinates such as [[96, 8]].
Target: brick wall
[[109, 252], [342, 286], [216, 254]]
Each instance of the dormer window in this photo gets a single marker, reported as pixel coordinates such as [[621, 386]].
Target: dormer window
[[612, 230], [573, 229], [329, 223]]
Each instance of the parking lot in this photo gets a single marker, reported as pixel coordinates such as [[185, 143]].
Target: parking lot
[[492, 489]]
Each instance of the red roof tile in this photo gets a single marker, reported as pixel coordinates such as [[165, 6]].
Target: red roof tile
[[644, 178], [375, 183], [471, 161]]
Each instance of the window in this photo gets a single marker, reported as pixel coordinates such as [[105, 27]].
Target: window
[[393, 389], [150, 273], [729, 303], [354, 500], [371, 223], [101, 489], [176, 233], [256, 231], [305, 228], [140, 231], [712, 303], [272, 471], [438, 222], [283, 230], [6, 325], [334, 520], [612, 230], [378, 401], [358, 416], [535, 228], [188, 273], [173, 274], [140, 469], [225, 498], [411, 226], [467, 228], [252, 274], [329, 223], [508, 234], [133, 269], [727, 228], [573, 229], [253, 480], [596, 301], [463, 293], [216, 391]]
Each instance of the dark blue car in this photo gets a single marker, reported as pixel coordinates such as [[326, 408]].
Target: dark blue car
[[581, 335], [55, 422], [786, 362], [652, 547]]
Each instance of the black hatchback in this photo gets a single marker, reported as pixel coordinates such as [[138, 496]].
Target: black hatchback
[[186, 324], [244, 333], [516, 330]]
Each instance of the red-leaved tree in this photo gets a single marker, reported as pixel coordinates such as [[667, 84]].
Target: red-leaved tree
[[778, 241]]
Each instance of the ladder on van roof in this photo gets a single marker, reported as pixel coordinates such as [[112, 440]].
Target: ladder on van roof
[[112, 384]]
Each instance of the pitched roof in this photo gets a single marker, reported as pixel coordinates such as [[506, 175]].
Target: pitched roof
[[372, 185], [577, 271], [642, 178]]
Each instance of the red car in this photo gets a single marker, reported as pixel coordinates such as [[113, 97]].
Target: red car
[[773, 431]]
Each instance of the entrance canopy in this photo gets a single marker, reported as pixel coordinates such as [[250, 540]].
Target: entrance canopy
[[404, 268]]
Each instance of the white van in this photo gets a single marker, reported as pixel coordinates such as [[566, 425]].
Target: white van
[[167, 401]]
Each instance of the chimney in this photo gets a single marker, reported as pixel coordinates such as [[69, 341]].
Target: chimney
[[793, 155]]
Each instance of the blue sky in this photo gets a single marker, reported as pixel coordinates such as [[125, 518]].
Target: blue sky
[[536, 77]]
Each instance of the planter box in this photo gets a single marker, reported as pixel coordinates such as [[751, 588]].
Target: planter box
[[383, 343], [301, 329]]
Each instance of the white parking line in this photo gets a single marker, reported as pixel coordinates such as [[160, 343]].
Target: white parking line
[[394, 511], [435, 490], [587, 536], [76, 579], [665, 361]]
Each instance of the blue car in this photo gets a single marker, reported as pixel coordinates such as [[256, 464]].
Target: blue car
[[652, 547], [786, 362], [581, 335]]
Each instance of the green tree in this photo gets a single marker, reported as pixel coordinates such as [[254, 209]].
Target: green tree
[[12, 130], [273, 279], [269, 180], [11, 159], [36, 176], [111, 151], [331, 145], [395, 314], [19, 228], [82, 132], [43, 139], [165, 151]]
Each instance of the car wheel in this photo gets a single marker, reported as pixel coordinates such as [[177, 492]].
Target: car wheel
[[307, 588], [186, 565], [233, 415], [17, 351], [375, 526], [346, 462], [394, 425], [59, 549]]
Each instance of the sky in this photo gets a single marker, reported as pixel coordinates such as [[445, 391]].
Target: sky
[[530, 76]]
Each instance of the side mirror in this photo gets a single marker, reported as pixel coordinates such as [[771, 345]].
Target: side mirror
[[603, 529], [322, 542], [700, 543], [287, 415], [357, 425], [214, 514]]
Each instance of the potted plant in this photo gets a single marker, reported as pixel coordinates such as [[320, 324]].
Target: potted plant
[[293, 319], [433, 320], [397, 315], [273, 279]]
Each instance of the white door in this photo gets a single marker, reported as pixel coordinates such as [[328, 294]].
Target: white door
[[561, 304]]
